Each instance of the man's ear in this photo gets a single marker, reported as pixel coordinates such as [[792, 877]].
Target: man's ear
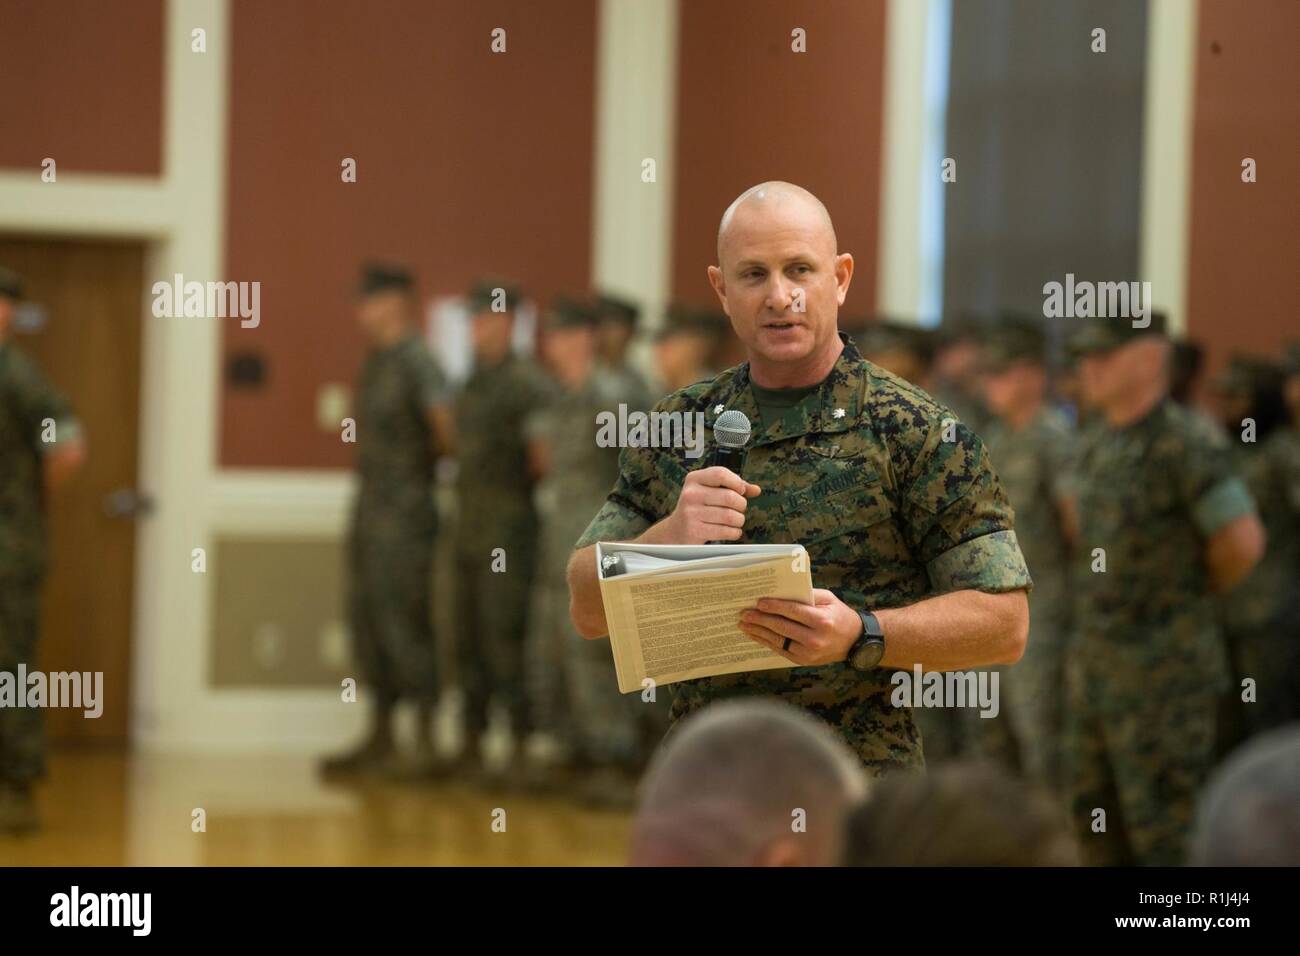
[[843, 275], [719, 284]]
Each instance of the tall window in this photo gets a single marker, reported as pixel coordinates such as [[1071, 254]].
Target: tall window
[[1047, 135]]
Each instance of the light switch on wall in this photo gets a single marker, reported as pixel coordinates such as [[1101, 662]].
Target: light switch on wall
[[333, 404], [268, 646], [334, 649]]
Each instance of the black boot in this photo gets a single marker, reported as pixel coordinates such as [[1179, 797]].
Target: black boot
[[18, 808], [374, 754]]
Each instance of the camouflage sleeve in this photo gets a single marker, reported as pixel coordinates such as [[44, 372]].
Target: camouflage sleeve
[[46, 414], [1291, 474], [649, 481], [1060, 453], [957, 518], [1208, 482], [431, 384], [540, 420]]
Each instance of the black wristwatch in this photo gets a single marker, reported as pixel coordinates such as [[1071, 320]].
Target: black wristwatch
[[868, 649]]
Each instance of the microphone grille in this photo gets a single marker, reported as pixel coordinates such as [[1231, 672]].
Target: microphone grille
[[731, 430]]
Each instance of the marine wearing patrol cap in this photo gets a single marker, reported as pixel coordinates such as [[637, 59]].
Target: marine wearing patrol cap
[[682, 319], [1108, 334], [483, 295], [11, 284], [380, 277], [905, 350], [1017, 339], [613, 308], [568, 313]]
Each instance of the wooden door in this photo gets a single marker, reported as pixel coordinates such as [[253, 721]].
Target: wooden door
[[92, 296]]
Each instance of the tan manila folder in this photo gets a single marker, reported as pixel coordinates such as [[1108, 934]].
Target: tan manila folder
[[674, 611]]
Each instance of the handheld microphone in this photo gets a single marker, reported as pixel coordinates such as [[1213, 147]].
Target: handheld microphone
[[730, 436]]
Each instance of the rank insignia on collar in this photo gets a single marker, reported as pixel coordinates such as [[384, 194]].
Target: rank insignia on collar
[[838, 413], [719, 409]]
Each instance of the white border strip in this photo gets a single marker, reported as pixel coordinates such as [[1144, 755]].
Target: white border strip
[[899, 265], [1165, 235], [636, 106]]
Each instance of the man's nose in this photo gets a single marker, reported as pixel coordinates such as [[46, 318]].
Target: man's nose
[[778, 293]]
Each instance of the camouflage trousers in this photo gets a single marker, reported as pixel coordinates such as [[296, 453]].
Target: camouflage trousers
[[22, 730], [613, 729], [1142, 759], [1033, 693], [550, 633], [491, 624], [1271, 656], [573, 688], [960, 733], [390, 614]]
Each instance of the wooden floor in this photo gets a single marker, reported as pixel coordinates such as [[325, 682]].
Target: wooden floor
[[110, 809]]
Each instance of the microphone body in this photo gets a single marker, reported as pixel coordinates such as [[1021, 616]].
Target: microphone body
[[732, 459], [730, 436]]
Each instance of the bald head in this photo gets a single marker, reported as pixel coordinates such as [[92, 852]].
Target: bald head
[[746, 783], [775, 200]]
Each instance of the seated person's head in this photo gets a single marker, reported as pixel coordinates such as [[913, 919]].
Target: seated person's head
[[1249, 812], [747, 783], [966, 814]]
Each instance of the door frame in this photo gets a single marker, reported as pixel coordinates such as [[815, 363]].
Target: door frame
[[179, 217]]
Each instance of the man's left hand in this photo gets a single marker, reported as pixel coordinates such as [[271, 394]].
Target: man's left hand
[[817, 633]]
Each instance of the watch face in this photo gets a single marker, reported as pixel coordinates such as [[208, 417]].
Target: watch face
[[868, 655]]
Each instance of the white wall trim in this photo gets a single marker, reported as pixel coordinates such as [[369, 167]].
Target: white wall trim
[[636, 118], [899, 264], [1167, 155], [86, 204]]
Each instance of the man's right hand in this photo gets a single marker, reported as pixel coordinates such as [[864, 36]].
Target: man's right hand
[[711, 507]]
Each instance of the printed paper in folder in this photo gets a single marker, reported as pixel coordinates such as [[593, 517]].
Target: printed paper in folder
[[674, 610]]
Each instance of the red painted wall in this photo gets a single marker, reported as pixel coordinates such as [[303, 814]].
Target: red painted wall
[[750, 110], [1244, 256], [82, 82], [468, 163]]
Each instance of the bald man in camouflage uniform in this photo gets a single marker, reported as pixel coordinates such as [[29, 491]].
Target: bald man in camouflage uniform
[[495, 544], [914, 558], [1164, 521], [40, 445]]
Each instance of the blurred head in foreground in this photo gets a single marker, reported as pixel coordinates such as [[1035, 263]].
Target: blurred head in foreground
[[747, 783], [1249, 813], [967, 814]]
